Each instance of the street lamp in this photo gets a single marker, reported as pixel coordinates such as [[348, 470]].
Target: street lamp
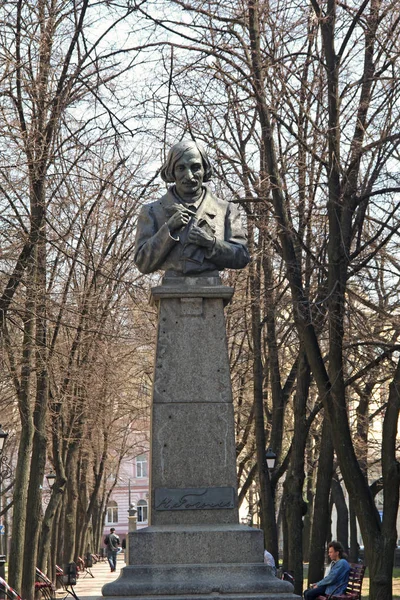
[[132, 509], [51, 478], [271, 459], [3, 437]]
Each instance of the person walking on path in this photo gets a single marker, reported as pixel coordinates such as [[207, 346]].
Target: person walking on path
[[112, 545], [337, 578]]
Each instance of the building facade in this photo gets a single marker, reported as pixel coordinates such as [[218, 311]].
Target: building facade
[[132, 488]]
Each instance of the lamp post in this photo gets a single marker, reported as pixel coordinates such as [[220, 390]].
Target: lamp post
[[132, 511], [51, 478], [271, 459], [3, 437]]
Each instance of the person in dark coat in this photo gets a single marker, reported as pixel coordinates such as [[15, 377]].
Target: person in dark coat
[[112, 546]]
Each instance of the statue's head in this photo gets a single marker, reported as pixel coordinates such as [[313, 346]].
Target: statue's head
[[175, 155]]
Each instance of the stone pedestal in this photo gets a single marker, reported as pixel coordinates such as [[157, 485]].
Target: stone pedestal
[[194, 548]]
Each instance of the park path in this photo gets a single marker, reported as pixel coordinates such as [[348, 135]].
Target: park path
[[90, 587]]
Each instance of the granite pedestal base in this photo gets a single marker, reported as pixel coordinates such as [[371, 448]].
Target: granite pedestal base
[[267, 596], [199, 581], [194, 548], [198, 562]]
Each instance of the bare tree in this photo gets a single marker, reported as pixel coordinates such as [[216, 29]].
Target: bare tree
[[324, 83], [62, 95]]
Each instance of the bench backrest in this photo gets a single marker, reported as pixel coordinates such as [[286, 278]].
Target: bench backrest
[[9, 591], [59, 571], [356, 577], [42, 577]]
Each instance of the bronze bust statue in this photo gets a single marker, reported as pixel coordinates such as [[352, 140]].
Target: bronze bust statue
[[189, 230]]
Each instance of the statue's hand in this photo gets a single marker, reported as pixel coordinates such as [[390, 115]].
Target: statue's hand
[[180, 218], [199, 237]]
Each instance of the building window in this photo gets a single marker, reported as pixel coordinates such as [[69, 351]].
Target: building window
[[142, 511], [112, 513], [141, 466]]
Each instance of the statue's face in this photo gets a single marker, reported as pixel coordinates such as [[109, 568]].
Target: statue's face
[[189, 174]]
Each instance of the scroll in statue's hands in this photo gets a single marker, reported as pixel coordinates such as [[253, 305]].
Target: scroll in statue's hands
[[198, 236]]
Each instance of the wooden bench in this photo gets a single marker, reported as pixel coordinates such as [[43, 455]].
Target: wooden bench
[[84, 565], [354, 585], [67, 579], [96, 558], [44, 585], [89, 560], [102, 555], [8, 591], [60, 578]]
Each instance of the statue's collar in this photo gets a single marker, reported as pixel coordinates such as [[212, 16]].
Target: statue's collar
[[206, 202], [194, 204]]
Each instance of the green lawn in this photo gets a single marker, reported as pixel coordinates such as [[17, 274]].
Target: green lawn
[[396, 585]]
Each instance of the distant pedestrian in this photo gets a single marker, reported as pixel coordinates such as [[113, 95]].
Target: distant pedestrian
[[269, 560], [337, 578], [112, 546]]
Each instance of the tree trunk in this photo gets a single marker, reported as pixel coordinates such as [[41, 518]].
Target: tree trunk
[[285, 534], [39, 448], [48, 523], [61, 533], [15, 567], [278, 400], [307, 521], [70, 529], [354, 547], [321, 516], [268, 519], [293, 487], [380, 557], [342, 533]]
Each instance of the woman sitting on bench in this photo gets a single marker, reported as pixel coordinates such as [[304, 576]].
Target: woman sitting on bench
[[337, 576]]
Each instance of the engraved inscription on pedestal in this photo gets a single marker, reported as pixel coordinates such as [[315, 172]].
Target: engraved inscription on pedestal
[[194, 498]]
